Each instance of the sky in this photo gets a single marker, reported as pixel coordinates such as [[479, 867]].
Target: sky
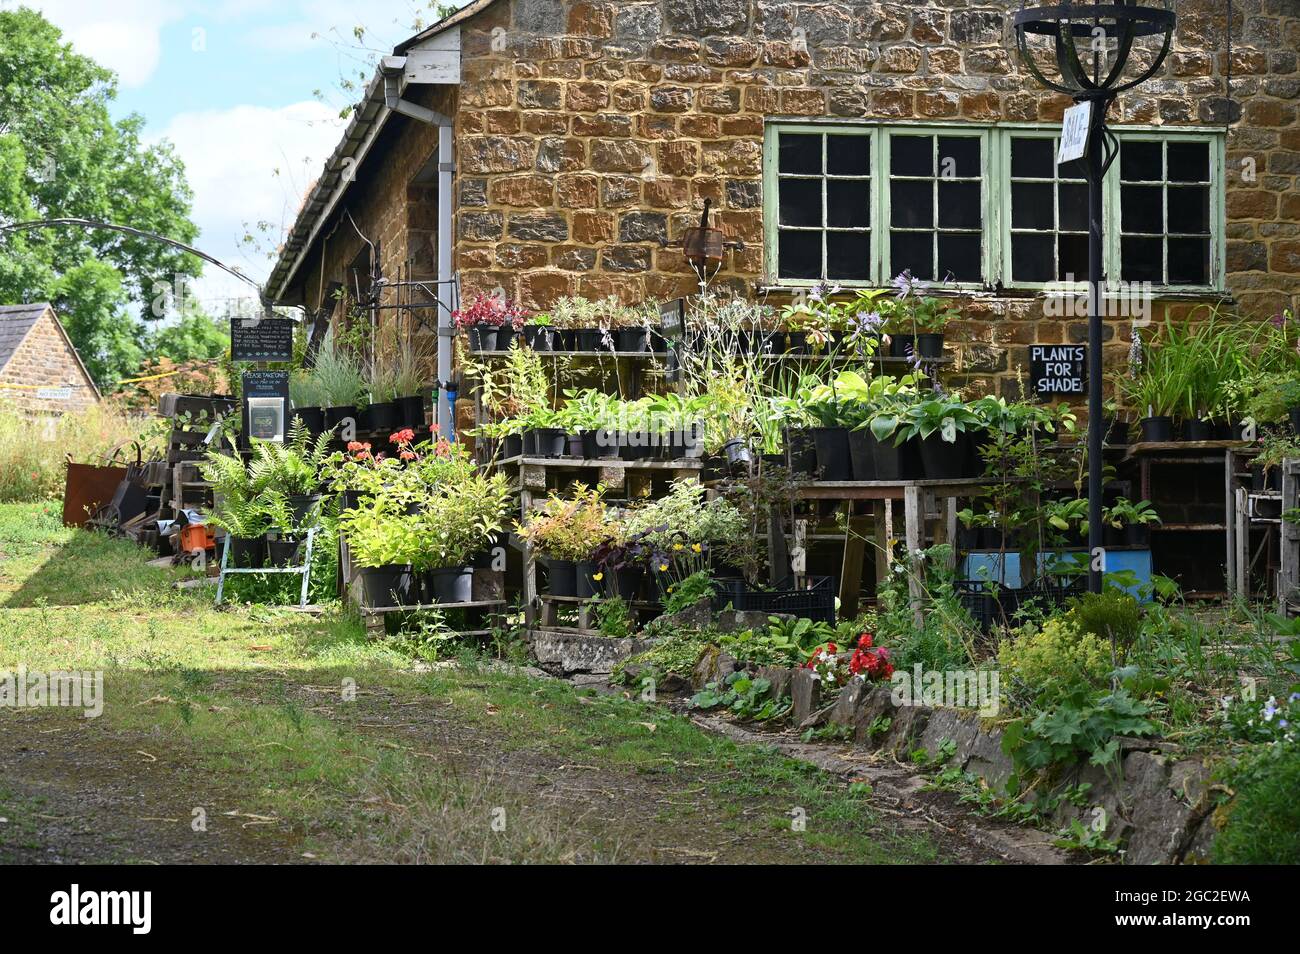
[[233, 85]]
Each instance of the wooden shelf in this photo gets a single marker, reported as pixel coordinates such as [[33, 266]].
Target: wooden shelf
[[1148, 448], [685, 463], [887, 489]]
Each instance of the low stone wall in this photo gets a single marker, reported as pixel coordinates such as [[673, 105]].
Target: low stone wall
[[1157, 807]]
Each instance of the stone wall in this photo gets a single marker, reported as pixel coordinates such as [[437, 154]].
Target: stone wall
[[589, 130], [45, 359]]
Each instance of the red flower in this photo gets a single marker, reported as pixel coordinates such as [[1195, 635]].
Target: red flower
[[864, 641], [830, 648], [404, 436], [434, 428], [407, 455], [354, 445]]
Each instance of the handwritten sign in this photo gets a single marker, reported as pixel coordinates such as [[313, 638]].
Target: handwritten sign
[[261, 339], [1074, 133], [672, 315], [266, 404], [1057, 370]]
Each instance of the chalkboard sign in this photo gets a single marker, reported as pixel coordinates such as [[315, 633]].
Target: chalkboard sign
[[1058, 370], [266, 405], [672, 318], [264, 339]]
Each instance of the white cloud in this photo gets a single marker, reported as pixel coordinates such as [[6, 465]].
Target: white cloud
[[249, 164], [124, 36]]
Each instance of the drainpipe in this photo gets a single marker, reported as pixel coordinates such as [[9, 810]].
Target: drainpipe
[[393, 68]]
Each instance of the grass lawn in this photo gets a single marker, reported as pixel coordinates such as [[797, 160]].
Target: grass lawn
[[258, 734]]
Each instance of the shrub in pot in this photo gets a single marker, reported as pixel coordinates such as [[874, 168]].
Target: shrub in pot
[[240, 509], [341, 382], [482, 317], [566, 531]]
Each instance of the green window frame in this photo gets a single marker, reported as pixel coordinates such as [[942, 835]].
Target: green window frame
[[1003, 229]]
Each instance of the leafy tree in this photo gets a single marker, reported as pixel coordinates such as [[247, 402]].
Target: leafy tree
[[63, 156]]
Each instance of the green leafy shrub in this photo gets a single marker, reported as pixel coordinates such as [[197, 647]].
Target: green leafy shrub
[[1114, 616], [1083, 723], [1263, 823], [685, 594], [1043, 664], [745, 697]]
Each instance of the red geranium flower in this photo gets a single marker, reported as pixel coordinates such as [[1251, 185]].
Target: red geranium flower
[[404, 436]]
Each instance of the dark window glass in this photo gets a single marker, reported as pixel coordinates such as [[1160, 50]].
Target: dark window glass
[[1031, 205], [848, 155], [1031, 258], [1189, 161], [1141, 259], [912, 250], [911, 155], [911, 204], [959, 256], [800, 254], [1189, 261], [1142, 209], [1073, 201], [1072, 257], [1189, 209], [1074, 169], [801, 201], [1141, 162], [849, 256], [1032, 158], [800, 155], [959, 205], [848, 203], [964, 153]]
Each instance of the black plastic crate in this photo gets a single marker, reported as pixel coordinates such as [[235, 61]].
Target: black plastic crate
[[814, 601]]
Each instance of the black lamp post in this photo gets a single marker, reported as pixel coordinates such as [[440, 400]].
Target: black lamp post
[[1092, 43]]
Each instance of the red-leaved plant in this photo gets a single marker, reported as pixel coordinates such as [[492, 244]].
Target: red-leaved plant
[[494, 310]]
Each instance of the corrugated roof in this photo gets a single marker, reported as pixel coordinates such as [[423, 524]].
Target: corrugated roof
[[15, 322]]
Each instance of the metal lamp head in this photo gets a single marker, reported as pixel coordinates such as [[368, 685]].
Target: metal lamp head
[[1093, 43]]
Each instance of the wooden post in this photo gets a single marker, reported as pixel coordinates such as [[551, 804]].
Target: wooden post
[[884, 514], [914, 529], [855, 551]]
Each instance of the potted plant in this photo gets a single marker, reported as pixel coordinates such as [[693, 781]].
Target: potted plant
[[481, 319], [1130, 521], [308, 399], [1113, 425], [895, 453], [539, 332], [342, 383], [566, 533], [382, 539], [238, 509], [457, 520], [293, 468]]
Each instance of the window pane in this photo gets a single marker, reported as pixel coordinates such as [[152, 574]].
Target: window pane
[[1072, 257], [848, 155], [1140, 162], [800, 154], [1189, 261], [1031, 259], [848, 203], [1032, 158], [1031, 205], [1142, 209], [911, 155], [1140, 259], [912, 250], [959, 255], [1189, 209], [801, 201], [848, 255], [964, 153], [911, 204], [959, 205], [1074, 169], [1189, 162], [800, 254], [1073, 211]]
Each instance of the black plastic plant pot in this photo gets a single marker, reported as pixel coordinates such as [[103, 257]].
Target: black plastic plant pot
[[539, 337], [896, 462], [363, 419], [600, 443], [334, 416], [800, 451], [1116, 432], [482, 337], [901, 346], [588, 339], [411, 411], [564, 339], [550, 441], [1159, 429], [485, 559], [248, 552], [283, 553], [1198, 430], [385, 416], [561, 577], [528, 443], [944, 460], [929, 345], [453, 584], [625, 583], [313, 418], [513, 445], [587, 585], [631, 446], [796, 342], [1137, 535], [388, 585], [968, 538], [574, 445], [861, 457], [737, 453], [505, 335], [633, 340], [832, 446], [353, 499], [991, 538], [302, 505]]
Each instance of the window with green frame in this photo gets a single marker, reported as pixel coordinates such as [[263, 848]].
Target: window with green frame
[[980, 206]]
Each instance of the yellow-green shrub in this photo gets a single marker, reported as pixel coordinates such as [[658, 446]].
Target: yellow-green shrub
[[1042, 663], [33, 449]]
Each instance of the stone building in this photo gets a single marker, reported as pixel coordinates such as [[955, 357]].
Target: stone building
[[840, 140], [40, 370]]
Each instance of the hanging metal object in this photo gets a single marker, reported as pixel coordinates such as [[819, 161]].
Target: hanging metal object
[[1092, 46], [704, 246]]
